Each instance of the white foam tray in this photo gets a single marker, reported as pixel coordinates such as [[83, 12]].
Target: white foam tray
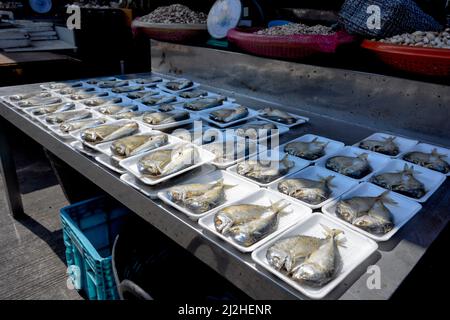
[[55, 128], [109, 163], [205, 115], [300, 120], [29, 111], [290, 216], [110, 99], [240, 190], [42, 120], [161, 94], [130, 164], [402, 212], [152, 191], [332, 147], [339, 185], [425, 147], [377, 161], [275, 155], [176, 124], [403, 144], [357, 249], [432, 180], [77, 145]]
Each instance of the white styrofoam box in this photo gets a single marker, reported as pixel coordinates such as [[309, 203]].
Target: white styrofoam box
[[403, 144], [152, 191], [428, 148], [242, 149], [105, 148], [240, 189], [263, 135], [300, 119], [162, 86], [142, 129], [431, 180], [402, 211], [109, 163], [332, 146], [357, 248], [376, 160], [267, 156], [339, 185], [287, 217], [131, 164], [205, 115]]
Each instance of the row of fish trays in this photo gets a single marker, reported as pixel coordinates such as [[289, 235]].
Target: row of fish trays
[[273, 218]]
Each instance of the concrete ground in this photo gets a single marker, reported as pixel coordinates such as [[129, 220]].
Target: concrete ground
[[32, 258]]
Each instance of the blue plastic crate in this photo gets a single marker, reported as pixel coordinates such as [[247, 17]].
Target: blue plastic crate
[[89, 230]]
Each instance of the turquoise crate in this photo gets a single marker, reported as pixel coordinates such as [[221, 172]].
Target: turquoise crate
[[89, 230]]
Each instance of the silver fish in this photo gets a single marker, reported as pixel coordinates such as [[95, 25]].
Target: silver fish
[[166, 107], [321, 266], [129, 146], [96, 81], [142, 94], [99, 101], [25, 96], [354, 167], [66, 91], [402, 182], [126, 89], [204, 103], [151, 100], [147, 80], [112, 84], [179, 85], [193, 94], [185, 191], [80, 96], [353, 208], [108, 132], [59, 107], [127, 115], [36, 102], [307, 150], [265, 171], [229, 114], [378, 219], [254, 131], [212, 198], [309, 191], [240, 214], [60, 117], [157, 118], [433, 160], [249, 233], [278, 116], [287, 253], [115, 109], [73, 125], [226, 152], [165, 162], [386, 146]]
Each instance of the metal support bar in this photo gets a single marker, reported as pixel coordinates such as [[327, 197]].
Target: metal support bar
[[8, 170]]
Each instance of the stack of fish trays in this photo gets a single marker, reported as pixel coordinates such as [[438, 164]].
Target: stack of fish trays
[[89, 230]]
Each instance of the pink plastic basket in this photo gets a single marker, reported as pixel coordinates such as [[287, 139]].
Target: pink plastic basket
[[292, 47]]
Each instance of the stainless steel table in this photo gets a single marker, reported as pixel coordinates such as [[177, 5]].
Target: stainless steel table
[[396, 258]]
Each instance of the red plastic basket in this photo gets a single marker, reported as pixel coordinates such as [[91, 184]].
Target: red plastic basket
[[179, 33], [292, 47], [419, 60]]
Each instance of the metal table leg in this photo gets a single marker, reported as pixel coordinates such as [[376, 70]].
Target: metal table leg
[[8, 170]]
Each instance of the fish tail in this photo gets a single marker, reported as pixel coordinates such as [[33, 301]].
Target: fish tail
[[287, 162], [279, 206], [390, 139], [436, 154], [363, 156], [386, 199], [409, 170], [331, 232], [327, 180]]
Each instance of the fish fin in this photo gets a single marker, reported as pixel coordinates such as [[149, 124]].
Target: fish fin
[[436, 154], [389, 139], [279, 206], [341, 242], [289, 164], [409, 170], [363, 156], [385, 199], [331, 232], [327, 180]]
